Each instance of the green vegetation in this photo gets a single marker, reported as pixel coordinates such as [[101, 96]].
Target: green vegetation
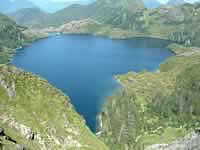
[[37, 115], [11, 37], [182, 107], [155, 108], [151, 108], [124, 19]]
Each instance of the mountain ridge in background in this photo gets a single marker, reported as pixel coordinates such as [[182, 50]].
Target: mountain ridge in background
[[102, 10], [29, 16], [8, 6], [151, 3], [52, 7]]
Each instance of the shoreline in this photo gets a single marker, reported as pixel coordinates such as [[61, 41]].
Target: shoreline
[[48, 34], [144, 88], [117, 90]]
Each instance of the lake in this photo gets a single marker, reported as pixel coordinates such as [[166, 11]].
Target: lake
[[83, 66]]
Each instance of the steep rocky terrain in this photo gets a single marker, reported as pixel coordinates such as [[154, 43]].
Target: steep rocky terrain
[[35, 115]]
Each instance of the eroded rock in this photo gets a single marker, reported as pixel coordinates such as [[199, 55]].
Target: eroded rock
[[190, 142], [2, 132], [10, 88], [22, 147]]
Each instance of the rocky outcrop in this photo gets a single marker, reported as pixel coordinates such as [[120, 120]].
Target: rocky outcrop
[[79, 26], [4, 138], [23, 130], [10, 88], [190, 142], [181, 37]]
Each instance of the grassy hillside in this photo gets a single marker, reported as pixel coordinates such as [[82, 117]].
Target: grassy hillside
[[155, 108], [38, 116]]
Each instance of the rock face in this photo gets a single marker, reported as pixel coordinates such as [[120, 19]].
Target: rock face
[[181, 37], [190, 142], [9, 88], [1, 131], [81, 26]]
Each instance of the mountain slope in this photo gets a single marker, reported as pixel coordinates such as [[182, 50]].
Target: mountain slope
[[53, 6], [71, 13], [117, 13], [101, 10], [156, 108], [173, 23], [11, 37], [36, 116], [14, 5], [120, 13], [130, 18]]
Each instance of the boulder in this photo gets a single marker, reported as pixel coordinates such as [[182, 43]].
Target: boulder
[[2, 132], [22, 147], [29, 134]]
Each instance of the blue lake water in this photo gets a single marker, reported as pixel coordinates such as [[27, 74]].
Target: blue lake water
[[83, 66]]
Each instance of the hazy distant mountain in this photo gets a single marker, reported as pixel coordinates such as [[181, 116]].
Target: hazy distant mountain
[[56, 6], [119, 13], [151, 3], [179, 2], [7, 6], [30, 16], [175, 2]]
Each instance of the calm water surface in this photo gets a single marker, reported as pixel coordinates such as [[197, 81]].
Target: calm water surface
[[83, 66]]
